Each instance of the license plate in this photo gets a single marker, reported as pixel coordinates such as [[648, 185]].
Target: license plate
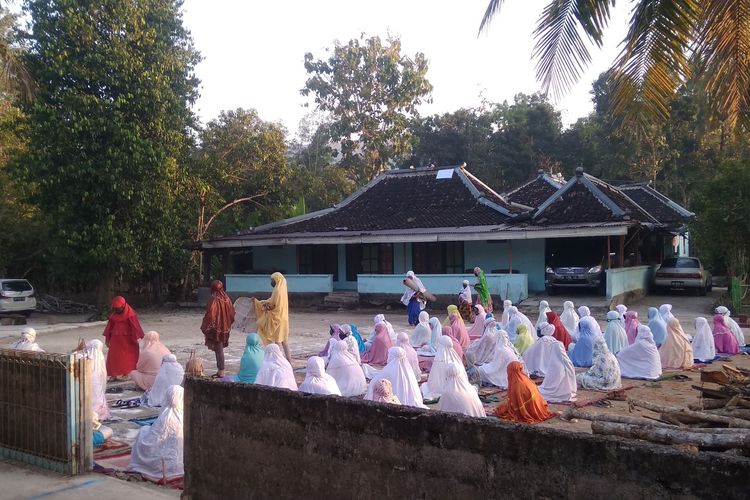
[[19, 299], [678, 284]]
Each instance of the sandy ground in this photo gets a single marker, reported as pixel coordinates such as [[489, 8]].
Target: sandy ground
[[179, 330]]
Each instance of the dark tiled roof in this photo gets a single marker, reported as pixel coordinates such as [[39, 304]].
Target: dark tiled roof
[[535, 192], [406, 199], [659, 206]]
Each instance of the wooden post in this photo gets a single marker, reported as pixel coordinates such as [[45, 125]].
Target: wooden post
[[609, 253], [621, 257], [206, 271], [510, 256]]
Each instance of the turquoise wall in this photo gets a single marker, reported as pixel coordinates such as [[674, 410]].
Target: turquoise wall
[[297, 283], [528, 258], [504, 286], [280, 257], [628, 279]]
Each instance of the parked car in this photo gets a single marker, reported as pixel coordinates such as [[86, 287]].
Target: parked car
[[683, 273], [16, 297], [575, 275]]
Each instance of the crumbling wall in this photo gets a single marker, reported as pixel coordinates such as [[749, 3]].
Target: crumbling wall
[[247, 441]]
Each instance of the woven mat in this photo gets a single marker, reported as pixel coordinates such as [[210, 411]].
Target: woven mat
[[143, 421], [114, 463], [111, 448]]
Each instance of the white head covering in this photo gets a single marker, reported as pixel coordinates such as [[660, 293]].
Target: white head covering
[[408, 292], [401, 376], [380, 318], [27, 341], [569, 317], [666, 312], [170, 373], [421, 334], [276, 370], [604, 374], [439, 372], [94, 352], [506, 315], [615, 335], [459, 396], [317, 381], [641, 359], [465, 293], [543, 309], [704, 348], [158, 451], [482, 349], [431, 348], [518, 318], [732, 325], [345, 369], [496, 371], [402, 341], [584, 311], [538, 355], [621, 310], [560, 376]]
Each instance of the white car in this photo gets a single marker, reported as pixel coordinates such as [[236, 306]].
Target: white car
[[683, 273], [16, 297]]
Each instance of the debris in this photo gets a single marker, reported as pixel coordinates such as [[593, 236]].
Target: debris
[[52, 304]]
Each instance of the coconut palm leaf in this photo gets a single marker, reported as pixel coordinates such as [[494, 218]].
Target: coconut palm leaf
[[493, 8], [560, 50], [654, 60], [724, 43]]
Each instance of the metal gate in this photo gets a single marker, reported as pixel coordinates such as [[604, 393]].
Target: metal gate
[[46, 410]]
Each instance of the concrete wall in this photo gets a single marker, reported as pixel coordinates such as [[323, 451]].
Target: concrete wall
[[527, 258], [628, 282], [296, 283], [501, 285], [247, 441]]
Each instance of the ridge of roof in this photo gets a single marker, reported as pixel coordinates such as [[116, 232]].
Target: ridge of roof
[[646, 186], [471, 182], [541, 175]]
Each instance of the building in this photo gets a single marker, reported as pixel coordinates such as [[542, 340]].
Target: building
[[441, 223]]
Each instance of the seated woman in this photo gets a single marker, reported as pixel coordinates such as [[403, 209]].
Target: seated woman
[[421, 334], [704, 348], [585, 312], [430, 348], [724, 339], [733, 326], [382, 392], [582, 353], [482, 349], [569, 318], [351, 329], [346, 371], [676, 352], [27, 341], [459, 331], [477, 329], [538, 355], [252, 360], [438, 377], [402, 341], [347, 336], [641, 359], [170, 373], [516, 318], [317, 381], [380, 318], [334, 331], [276, 371], [158, 450], [524, 403], [149, 361], [631, 325], [401, 376], [561, 331], [604, 374], [496, 371], [377, 354], [559, 384], [459, 396], [542, 318], [614, 335], [524, 340], [657, 325]]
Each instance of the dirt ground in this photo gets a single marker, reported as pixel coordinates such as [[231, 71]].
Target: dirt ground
[[179, 330]]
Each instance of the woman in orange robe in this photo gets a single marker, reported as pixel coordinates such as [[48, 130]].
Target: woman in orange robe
[[217, 323], [524, 403]]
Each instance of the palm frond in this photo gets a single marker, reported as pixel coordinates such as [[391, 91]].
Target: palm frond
[[724, 44], [492, 9], [561, 52], [654, 60], [14, 77]]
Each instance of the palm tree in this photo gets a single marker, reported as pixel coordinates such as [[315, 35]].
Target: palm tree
[[668, 43], [14, 78]]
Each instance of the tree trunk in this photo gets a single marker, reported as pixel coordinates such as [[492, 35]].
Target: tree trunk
[[664, 435], [105, 292], [740, 413], [701, 416], [623, 419]]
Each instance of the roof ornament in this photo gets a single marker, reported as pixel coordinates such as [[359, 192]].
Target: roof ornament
[[579, 172]]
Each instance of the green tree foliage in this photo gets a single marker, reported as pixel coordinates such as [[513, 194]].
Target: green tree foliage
[[109, 124], [370, 90]]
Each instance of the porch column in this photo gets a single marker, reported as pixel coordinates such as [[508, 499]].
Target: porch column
[[205, 275], [510, 256], [609, 252], [621, 256]]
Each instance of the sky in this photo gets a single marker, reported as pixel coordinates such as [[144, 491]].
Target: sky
[[253, 51]]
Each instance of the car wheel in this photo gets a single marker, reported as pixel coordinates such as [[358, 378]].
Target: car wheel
[[27, 313], [702, 291], [550, 290]]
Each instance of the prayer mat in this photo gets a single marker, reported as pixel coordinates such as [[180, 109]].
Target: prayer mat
[[143, 421], [110, 448], [177, 483], [425, 363], [116, 463]]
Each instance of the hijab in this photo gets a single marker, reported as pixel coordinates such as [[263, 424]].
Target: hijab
[[604, 374], [334, 332], [273, 323], [517, 318], [483, 289], [559, 383], [666, 312], [615, 335], [631, 325], [724, 339], [524, 403], [354, 332], [704, 348], [621, 310], [524, 340], [507, 304], [582, 353], [378, 352], [219, 315], [569, 318], [345, 369], [543, 310], [459, 396], [657, 325], [459, 331], [401, 376], [252, 359], [170, 373], [317, 381], [538, 355], [149, 360], [641, 359], [676, 351], [383, 392], [495, 372], [276, 371], [430, 349], [94, 352], [561, 332], [465, 293], [438, 376], [27, 341], [482, 349], [732, 325], [402, 341], [477, 329], [421, 333]]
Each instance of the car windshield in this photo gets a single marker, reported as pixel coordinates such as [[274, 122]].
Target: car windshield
[[681, 263], [16, 286]]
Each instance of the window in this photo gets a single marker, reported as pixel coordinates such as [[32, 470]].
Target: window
[[446, 257], [16, 286], [318, 259], [368, 258], [681, 263]]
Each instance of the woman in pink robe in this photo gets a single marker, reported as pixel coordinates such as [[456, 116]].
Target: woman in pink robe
[[378, 352], [149, 361], [724, 339], [459, 331]]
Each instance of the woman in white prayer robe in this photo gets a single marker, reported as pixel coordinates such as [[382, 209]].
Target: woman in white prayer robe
[[641, 359], [347, 372], [27, 341], [704, 348], [559, 383], [538, 355], [459, 396], [276, 371], [421, 334], [170, 373], [438, 377], [401, 376], [570, 318], [482, 349], [496, 371], [317, 381]]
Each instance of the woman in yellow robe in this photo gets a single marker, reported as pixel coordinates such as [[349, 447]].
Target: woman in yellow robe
[[272, 315]]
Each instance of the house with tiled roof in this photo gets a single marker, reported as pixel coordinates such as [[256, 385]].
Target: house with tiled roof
[[441, 223]]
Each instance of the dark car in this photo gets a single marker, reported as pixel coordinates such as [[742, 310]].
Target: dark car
[[573, 274]]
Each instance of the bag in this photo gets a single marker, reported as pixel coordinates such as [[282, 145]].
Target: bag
[[194, 367]]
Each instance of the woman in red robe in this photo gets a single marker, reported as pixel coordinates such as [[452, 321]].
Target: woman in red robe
[[121, 335], [561, 333]]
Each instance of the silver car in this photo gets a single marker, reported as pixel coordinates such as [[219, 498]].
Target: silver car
[[683, 273]]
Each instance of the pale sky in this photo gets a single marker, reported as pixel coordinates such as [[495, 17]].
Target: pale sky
[[254, 50]]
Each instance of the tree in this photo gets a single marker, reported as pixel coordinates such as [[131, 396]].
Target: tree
[[370, 91], [664, 39], [107, 129]]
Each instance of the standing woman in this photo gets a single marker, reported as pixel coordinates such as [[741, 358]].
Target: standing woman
[[273, 315], [412, 299], [464, 303], [217, 322], [122, 333], [483, 290]]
